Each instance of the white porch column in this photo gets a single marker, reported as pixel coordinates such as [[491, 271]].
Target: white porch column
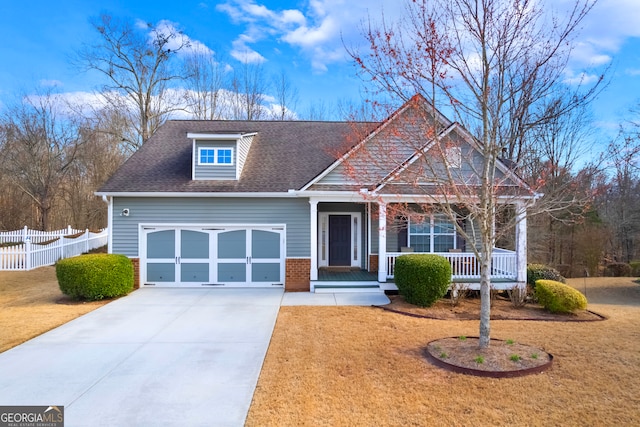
[[314, 238], [521, 243], [382, 242]]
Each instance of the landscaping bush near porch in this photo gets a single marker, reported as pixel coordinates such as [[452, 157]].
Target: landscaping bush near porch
[[558, 297], [422, 279], [95, 276], [537, 272]]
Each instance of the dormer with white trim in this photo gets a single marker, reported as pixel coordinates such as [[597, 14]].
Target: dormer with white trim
[[219, 156]]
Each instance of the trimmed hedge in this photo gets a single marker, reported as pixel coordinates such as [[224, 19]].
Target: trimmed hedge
[[537, 272], [618, 269], [635, 268], [558, 297], [422, 279], [95, 276]]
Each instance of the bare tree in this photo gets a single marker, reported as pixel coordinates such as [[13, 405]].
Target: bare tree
[[40, 145], [286, 97], [97, 158], [248, 93], [136, 62], [548, 163], [622, 201], [493, 65], [204, 82], [317, 111]]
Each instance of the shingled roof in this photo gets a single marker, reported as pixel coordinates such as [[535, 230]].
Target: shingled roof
[[284, 155]]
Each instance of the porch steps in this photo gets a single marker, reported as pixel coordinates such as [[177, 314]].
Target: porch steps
[[343, 287]]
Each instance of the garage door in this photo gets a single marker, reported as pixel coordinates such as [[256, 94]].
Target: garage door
[[213, 256]]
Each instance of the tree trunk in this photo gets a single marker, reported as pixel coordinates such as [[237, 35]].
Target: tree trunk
[[485, 294]]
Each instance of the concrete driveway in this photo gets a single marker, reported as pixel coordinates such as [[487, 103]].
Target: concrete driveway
[[187, 357]]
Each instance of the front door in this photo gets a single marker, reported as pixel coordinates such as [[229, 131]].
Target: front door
[[339, 240]]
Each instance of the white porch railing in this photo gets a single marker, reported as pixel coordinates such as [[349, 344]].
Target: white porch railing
[[29, 249], [465, 266]]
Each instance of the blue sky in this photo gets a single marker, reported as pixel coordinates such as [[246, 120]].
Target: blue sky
[[302, 37]]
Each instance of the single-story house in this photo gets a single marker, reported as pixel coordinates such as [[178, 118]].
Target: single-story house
[[307, 206]]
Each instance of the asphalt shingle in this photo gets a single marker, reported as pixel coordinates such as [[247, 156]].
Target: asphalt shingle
[[284, 155]]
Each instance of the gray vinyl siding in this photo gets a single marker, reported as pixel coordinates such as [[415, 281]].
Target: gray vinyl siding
[[294, 213], [244, 145], [337, 176], [216, 171], [393, 243], [374, 228], [341, 207], [392, 233]]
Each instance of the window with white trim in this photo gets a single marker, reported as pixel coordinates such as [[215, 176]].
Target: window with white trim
[[215, 156], [453, 157], [436, 233]]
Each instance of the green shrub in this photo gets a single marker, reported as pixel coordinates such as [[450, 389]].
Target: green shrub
[[422, 279], [618, 269], [95, 276], [635, 268], [537, 272], [558, 297]]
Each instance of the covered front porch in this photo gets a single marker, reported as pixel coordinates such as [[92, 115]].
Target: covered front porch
[[465, 271], [371, 242]]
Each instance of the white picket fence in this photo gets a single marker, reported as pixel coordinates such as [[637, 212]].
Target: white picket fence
[[28, 249]]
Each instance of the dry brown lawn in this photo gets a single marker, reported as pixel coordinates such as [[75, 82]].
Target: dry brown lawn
[[361, 366], [29, 305]]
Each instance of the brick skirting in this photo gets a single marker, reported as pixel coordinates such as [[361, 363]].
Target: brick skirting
[[373, 263], [297, 275], [136, 272]]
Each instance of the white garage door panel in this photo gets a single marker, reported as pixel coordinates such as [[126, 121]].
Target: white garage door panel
[[213, 256], [250, 257]]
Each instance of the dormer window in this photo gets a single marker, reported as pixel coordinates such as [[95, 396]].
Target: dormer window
[[215, 156], [219, 156]]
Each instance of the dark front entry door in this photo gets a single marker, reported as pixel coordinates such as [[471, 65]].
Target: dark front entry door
[[339, 240]]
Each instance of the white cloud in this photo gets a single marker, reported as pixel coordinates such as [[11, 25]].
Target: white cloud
[[580, 78], [51, 83], [243, 53], [314, 36], [605, 29], [588, 54], [318, 30], [142, 25], [178, 40]]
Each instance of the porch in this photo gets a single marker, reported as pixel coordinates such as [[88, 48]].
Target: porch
[[349, 239], [465, 270]]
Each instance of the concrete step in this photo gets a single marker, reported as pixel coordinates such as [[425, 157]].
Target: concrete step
[[344, 287]]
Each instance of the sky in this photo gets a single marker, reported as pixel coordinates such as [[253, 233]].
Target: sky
[[303, 38]]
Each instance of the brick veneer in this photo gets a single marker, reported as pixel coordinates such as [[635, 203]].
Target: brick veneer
[[373, 263], [297, 273], [136, 272]]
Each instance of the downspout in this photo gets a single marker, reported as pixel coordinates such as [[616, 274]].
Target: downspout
[[109, 202]]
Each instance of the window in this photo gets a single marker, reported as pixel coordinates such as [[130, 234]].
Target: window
[[207, 155], [454, 157], [435, 234], [224, 156], [215, 156]]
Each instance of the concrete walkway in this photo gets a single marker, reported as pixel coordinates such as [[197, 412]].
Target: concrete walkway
[[188, 357]]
